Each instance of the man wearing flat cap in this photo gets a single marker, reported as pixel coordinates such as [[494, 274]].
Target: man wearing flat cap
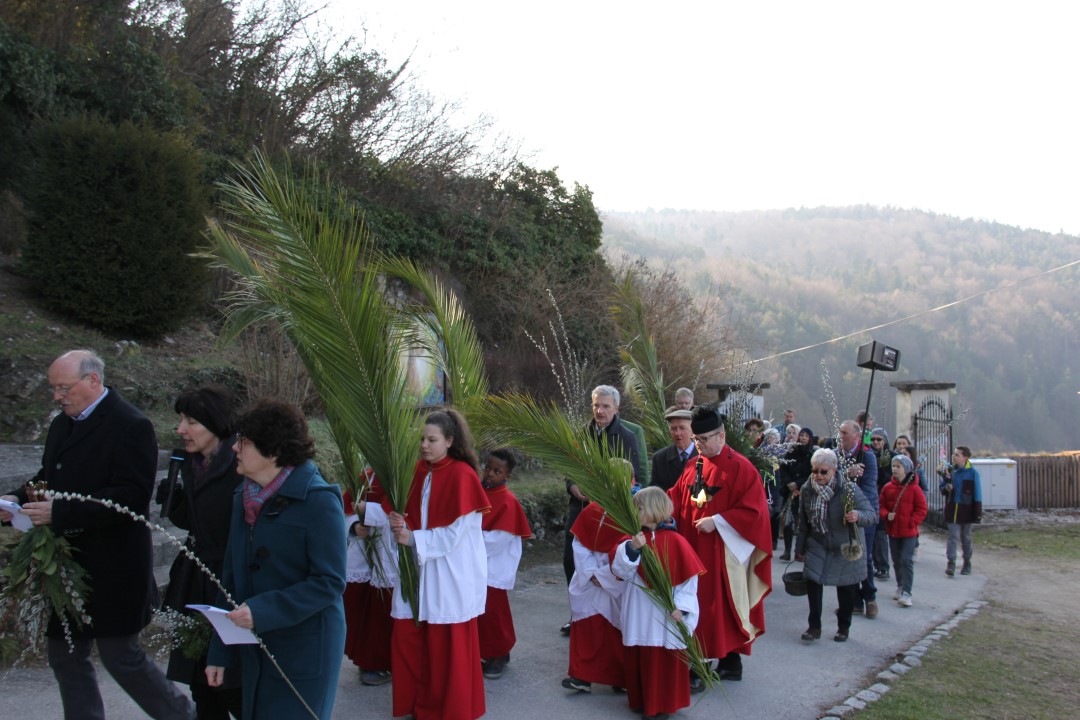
[[720, 508], [669, 462]]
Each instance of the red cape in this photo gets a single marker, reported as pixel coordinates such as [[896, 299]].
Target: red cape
[[593, 530], [455, 492], [679, 560], [734, 492], [506, 513]]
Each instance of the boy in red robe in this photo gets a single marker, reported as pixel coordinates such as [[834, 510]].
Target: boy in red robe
[[504, 529], [721, 510], [656, 682]]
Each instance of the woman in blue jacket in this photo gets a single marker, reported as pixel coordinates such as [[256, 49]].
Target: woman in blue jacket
[[285, 566]]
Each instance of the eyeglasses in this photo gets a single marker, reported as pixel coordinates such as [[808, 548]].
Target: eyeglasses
[[821, 471], [877, 439], [63, 390], [705, 438]]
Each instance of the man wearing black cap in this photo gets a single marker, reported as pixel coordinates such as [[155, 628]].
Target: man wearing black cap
[[720, 508], [668, 463]]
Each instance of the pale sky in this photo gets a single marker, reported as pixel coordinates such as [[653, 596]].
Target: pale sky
[[969, 109]]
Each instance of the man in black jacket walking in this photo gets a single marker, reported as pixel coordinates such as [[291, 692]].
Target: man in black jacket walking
[[101, 446]]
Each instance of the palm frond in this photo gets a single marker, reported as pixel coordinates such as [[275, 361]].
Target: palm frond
[[445, 331], [643, 380], [304, 260]]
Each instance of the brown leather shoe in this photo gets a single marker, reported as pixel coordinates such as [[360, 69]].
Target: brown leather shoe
[[841, 635], [871, 609], [811, 634]]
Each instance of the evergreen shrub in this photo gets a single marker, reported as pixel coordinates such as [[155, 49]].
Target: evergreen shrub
[[115, 213]]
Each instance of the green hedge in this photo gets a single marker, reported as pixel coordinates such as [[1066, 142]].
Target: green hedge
[[115, 213]]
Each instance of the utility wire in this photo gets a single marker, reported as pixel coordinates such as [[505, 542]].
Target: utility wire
[[1009, 284]]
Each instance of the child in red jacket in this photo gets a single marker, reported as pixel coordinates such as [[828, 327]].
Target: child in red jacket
[[903, 508]]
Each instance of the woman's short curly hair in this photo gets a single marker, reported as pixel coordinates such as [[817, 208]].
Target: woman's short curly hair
[[279, 430]]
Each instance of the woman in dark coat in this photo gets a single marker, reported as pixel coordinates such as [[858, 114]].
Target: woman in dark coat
[[831, 553], [201, 504], [792, 475], [285, 566]]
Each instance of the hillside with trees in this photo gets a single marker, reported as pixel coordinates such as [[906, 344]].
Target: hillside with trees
[[797, 278], [215, 80]]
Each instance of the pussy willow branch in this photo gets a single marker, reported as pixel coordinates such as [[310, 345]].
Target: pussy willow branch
[[57, 495]]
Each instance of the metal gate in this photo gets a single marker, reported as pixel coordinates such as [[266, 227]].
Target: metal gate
[[932, 428]]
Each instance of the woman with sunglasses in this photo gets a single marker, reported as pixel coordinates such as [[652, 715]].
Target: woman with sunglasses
[[823, 533]]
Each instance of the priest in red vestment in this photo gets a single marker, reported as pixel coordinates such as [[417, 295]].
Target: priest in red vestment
[[721, 509]]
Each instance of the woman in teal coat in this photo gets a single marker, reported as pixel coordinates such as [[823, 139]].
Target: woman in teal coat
[[285, 566]]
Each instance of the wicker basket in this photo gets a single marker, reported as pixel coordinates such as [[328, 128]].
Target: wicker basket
[[794, 583]]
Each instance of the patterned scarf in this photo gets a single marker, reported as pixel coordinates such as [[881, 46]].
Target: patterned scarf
[[255, 497], [817, 509]]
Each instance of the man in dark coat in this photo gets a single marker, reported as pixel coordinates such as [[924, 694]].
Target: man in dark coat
[[859, 463], [101, 446], [607, 429], [668, 462]]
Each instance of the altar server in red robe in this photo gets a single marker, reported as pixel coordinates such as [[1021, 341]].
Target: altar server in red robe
[[656, 681], [436, 655], [596, 651], [504, 529], [370, 573]]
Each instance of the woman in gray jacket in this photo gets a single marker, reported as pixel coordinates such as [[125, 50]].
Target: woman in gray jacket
[[827, 543]]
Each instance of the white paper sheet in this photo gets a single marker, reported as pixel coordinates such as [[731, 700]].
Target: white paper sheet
[[229, 632], [18, 520]]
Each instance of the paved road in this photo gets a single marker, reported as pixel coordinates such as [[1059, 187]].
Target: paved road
[[825, 672]]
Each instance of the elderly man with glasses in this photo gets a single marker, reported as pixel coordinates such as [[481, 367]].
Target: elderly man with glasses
[[720, 508], [100, 445]]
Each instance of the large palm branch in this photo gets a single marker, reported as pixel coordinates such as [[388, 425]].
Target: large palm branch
[[445, 331], [304, 260], [643, 380], [543, 432]]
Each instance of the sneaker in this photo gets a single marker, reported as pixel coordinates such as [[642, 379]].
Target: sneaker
[[375, 677], [871, 609], [966, 570], [905, 600], [494, 668], [572, 683], [950, 569]]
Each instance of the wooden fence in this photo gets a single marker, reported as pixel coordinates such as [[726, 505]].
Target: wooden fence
[[1048, 481]]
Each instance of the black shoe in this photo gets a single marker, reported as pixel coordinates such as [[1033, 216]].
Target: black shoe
[[732, 675], [374, 677], [786, 557], [841, 635], [882, 575], [857, 610], [618, 690], [966, 569], [495, 667], [811, 634], [572, 683], [565, 629], [696, 685]]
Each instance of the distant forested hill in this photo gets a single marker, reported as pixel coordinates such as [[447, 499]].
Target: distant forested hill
[[797, 277]]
